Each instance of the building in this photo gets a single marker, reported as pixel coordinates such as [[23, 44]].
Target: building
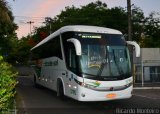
[[147, 67]]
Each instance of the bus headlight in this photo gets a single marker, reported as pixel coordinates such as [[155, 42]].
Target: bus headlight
[[88, 86], [84, 84]]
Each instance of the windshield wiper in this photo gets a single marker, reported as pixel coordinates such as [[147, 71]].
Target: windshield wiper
[[100, 69], [103, 64], [117, 65]]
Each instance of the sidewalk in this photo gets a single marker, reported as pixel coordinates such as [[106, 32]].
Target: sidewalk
[[147, 90], [153, 94]]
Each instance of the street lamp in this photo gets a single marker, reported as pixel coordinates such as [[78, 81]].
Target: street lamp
[[49, 20]]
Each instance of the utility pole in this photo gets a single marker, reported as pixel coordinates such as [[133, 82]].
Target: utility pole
[[30, 23], [129, 20], [130, 35]]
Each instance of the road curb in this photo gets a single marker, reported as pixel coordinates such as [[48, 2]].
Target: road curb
[[146, 88]]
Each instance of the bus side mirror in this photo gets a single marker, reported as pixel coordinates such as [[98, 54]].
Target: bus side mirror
[[77, 45], [137, 48]]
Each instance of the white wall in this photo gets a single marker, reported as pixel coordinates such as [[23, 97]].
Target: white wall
[[150, 56], [150, 53]]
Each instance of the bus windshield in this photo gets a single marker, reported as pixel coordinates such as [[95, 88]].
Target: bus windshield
[[101, 60], [104, 56]]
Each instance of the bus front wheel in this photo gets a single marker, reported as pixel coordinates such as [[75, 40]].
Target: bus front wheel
[[60, 89], [35, 82]]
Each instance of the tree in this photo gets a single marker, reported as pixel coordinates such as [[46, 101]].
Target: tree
[[7, 29], [7, 74], [4, 12], [152, 31], [95, 13], [138, 20], [145, 30]]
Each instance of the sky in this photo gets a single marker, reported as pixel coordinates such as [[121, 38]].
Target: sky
[[36, 10]]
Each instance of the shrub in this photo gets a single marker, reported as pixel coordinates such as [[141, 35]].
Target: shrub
[[7, 84]]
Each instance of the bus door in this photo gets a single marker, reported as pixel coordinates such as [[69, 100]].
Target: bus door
[[72, 72]]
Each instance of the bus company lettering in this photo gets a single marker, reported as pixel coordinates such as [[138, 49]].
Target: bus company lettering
[[51, 63]]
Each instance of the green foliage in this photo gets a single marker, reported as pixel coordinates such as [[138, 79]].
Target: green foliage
[[7, 84], [152, 31], [19, 51], [7, 29], [95, 14]]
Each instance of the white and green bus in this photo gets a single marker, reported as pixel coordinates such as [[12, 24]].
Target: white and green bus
[[86, 63]]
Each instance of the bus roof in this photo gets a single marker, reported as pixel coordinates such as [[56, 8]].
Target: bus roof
[[78, 28]]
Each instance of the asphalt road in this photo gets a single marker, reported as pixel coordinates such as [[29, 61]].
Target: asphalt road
[[31, 100]]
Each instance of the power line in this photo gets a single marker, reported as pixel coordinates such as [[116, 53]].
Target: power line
[[19, 19], [18, 16]]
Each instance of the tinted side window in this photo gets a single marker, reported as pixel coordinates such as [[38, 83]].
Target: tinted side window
[[49, 49], [52, 48]]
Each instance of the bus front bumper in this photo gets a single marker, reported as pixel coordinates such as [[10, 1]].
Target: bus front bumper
[[91, 95]]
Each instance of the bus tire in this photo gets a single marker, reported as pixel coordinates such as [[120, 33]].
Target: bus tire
[[60, 90], [35, 82]]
